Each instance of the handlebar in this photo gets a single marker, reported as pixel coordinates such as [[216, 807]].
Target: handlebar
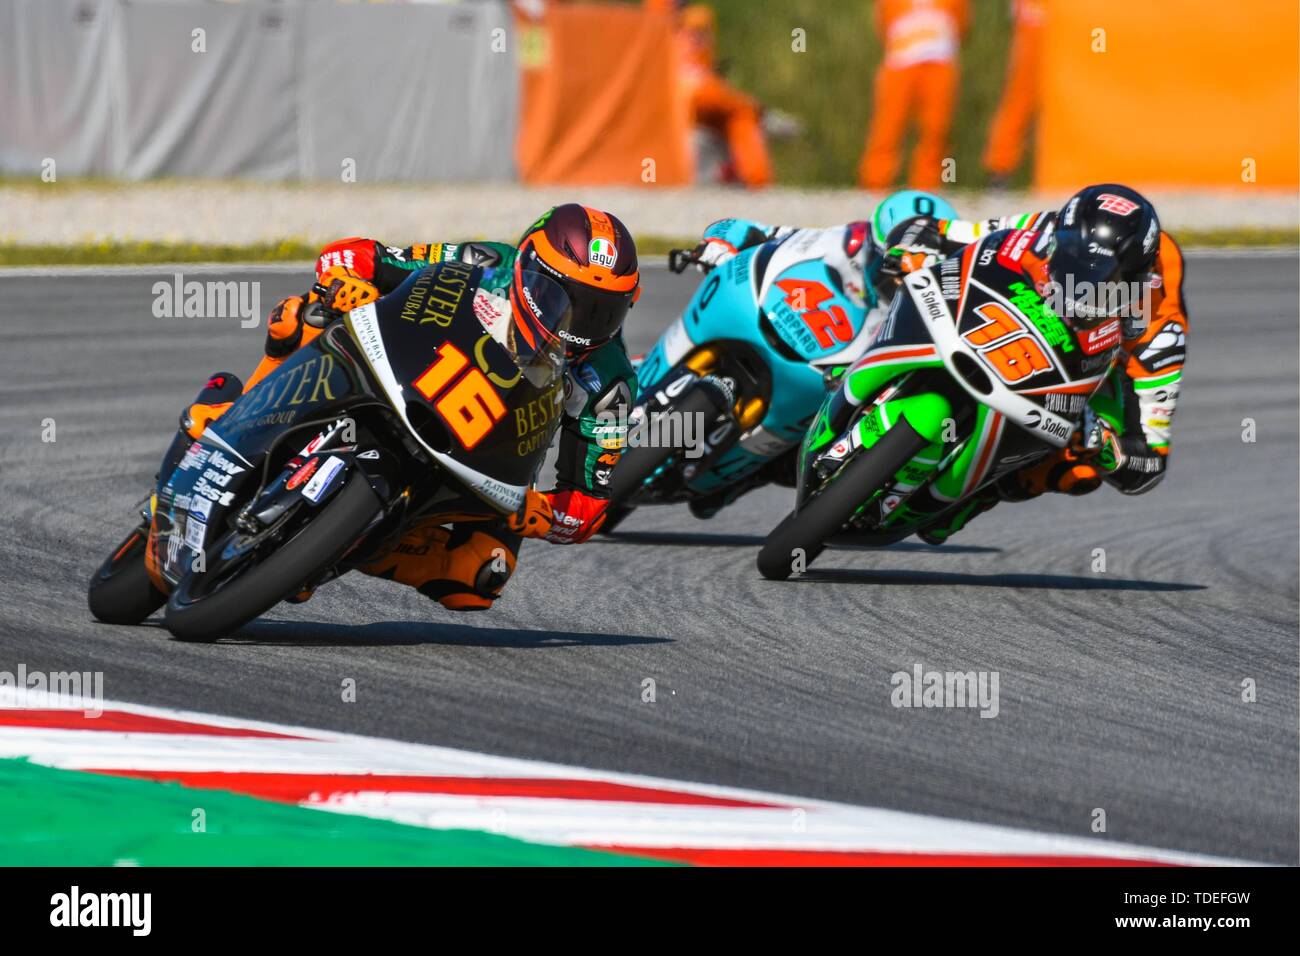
[[679, 260]]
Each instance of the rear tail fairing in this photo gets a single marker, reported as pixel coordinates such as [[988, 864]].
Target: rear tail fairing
[[772, 357]]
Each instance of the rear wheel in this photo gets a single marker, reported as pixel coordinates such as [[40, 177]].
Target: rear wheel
[[121, 591], [807, 529], [206, 606]]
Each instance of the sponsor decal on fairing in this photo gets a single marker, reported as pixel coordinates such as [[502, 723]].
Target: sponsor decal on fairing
[[315, 488]]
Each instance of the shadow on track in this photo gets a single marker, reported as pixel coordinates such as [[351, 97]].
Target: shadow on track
[[407, 633], [845, 542], [689, 539], [685, 539], [1057, 582]]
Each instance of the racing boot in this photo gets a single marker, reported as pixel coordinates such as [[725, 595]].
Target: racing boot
[[298, 319], [779, 471], [706, 506], [287, 329], [463, 567], [1066, 472], [211, 402]]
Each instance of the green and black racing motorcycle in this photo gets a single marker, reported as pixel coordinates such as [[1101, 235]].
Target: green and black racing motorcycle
[[971, 377]]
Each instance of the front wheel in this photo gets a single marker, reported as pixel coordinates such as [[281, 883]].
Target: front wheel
[[201, 609], [613, 518], [806, 530], [638, 464], [120, 591]]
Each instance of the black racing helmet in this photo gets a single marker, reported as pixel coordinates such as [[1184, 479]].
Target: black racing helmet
[[1104, 234]]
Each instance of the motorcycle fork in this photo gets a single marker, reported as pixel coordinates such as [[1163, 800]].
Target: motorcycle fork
[[934, 417], [152, 566]]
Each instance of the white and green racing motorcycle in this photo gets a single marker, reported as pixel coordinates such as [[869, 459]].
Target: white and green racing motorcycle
[[971, 377]]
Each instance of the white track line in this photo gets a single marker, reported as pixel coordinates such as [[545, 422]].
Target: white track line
[[162, 268], [784, 823]]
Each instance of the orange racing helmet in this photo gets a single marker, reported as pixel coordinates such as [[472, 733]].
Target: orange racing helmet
[[592, 256]]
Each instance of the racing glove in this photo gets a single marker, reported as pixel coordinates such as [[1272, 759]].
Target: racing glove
[[912, 245], [284, 326], [340, 290], [1126, 462], [577, 516], [706, 256], [534, 518]]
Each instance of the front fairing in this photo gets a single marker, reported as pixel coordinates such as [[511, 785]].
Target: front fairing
[[455, 387], [1006, 347], [217, 473]]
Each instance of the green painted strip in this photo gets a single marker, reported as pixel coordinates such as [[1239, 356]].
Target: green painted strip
[[1146, 384], [52, 817]]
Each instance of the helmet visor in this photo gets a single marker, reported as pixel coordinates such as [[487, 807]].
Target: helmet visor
[[597, 316], [1084, 281], [542, 315]]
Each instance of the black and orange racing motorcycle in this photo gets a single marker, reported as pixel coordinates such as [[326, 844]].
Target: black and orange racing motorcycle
[[388, 415]]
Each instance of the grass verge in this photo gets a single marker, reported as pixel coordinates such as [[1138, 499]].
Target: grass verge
[[144, 253], [69, 818], [829, 85], [650, 247]]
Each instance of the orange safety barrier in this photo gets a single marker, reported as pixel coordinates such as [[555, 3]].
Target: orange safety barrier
[[1199, 93], [600, 102]]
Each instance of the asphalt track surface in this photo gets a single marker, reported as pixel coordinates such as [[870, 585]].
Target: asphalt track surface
[[1119, 690]]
